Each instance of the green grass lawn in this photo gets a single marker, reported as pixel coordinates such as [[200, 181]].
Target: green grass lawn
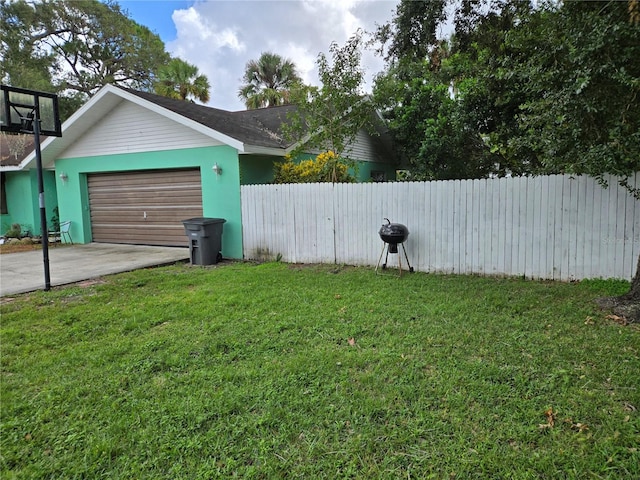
[[281, 371]]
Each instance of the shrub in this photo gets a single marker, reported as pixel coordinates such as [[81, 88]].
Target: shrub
[[14, 231], [326, 167]]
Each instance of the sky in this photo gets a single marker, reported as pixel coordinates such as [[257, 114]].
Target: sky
[[221, 36]]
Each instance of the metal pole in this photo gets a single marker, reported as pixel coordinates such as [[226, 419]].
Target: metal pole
[[43, 211]]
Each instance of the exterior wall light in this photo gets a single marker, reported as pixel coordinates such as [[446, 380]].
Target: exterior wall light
[[64, 177], [217, 168]]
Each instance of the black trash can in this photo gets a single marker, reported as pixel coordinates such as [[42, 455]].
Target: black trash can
[[205, 239]]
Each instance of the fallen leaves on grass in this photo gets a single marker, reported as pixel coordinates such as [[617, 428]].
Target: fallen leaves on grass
[[551, 419], [618, 319], [551, 416], [352, 342], [579, 427]]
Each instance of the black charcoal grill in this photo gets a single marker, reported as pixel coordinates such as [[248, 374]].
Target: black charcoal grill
[[393, 234]]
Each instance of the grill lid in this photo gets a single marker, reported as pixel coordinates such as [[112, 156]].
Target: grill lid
[[393, 233]]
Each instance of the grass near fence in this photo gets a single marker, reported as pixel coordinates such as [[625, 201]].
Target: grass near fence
[[280, 371]]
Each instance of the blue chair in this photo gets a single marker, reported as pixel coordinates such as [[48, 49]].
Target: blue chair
[[64, 232]]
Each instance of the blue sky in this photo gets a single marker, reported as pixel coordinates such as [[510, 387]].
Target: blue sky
[[156, 14], [221, 36]]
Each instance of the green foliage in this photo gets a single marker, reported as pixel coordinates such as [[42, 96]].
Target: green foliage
[[22, 64], [55, 220], [268, 81], [517, 89], [433, 131], [285, 371], [411, 34], [14, 232], [73, 48], [181, 80], [580, 65], [445, 113], [329, 118], [326, 167]]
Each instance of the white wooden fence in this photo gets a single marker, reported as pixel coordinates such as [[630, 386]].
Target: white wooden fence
[[553, 227]]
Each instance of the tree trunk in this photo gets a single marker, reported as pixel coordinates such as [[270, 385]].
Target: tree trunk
[[625, 308], [634, 293]]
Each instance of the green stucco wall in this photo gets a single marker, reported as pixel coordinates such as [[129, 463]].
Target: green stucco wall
[[220, 193], [22, 200], [365, 169], [255, 169]]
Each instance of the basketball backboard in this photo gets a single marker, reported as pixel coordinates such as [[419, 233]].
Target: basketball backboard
[[19, 107]]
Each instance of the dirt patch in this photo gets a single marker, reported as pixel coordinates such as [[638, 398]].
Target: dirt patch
[[622, 307], [19, 248], [320, 267]]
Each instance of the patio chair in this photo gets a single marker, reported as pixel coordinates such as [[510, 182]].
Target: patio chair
[[64, 231]]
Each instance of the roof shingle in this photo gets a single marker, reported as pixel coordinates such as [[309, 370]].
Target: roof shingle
[[261, 127]]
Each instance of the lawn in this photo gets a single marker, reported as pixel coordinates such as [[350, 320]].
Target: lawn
[[283, 371]]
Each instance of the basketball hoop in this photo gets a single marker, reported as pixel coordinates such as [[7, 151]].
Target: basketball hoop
[[29, 111], [20, 107]]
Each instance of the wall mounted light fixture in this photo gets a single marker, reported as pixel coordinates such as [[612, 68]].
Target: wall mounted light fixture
[[64, 177], [217, 168]]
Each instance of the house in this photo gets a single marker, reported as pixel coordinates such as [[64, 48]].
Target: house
[[20, 187], [131, 165]]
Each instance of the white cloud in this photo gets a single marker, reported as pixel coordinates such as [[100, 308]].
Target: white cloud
[[336, 16], [304, 60], [220, 37], [196, 32]]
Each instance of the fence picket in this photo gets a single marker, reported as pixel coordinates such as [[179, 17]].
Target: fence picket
[[553, 227]]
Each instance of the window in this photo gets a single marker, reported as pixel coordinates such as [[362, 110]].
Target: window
[[377, 176]]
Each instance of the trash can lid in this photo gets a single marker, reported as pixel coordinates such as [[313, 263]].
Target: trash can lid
[[202, 221]]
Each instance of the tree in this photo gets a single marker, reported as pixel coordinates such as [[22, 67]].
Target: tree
[[182, 81], [412, 32], [549, 89], [74, 48], [580, 65], [447, 109], [328, 118], [21, 63], [268, 81]]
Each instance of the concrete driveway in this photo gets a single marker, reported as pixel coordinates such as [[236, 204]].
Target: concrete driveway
[[24, 272]]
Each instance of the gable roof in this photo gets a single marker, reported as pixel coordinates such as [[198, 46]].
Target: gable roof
[[252, 131], [260, 127]]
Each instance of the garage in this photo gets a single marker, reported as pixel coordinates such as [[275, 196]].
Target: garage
[[144, 207]]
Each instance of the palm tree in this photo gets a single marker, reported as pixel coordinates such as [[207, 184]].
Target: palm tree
[[180, 80], [268, 81]]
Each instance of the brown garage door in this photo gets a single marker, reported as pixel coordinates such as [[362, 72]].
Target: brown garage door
[[144, 208]]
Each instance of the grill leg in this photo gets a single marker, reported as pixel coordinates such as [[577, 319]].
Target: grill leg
[[386, 259], [406, 257], [380, 259]]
